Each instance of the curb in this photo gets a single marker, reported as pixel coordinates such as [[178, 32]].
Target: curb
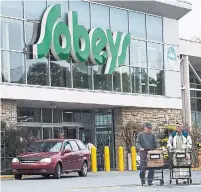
[[12, 176], [196, 169], [6, 176]]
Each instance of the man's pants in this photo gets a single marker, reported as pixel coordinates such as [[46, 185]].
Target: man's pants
[[143, 166]]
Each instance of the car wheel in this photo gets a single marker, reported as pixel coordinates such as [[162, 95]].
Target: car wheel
[[18, 177], [57, 173], [84, 170], [46, 176]]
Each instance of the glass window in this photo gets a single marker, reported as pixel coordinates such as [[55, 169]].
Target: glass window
[[140, 80], [71, 116], [52, 146], [116, 80], [74, 145], [47, 133], [193, 93], [156, 82], [12, 34], [101, 81], [32, 30], [193, 116], [64, 8], [60, 73], [198, 93], [34, 9], [29, 114], [67, 146], [199, 105], [57, 115], [137, 26], [154, 28], [81, 75], [12, 8], [81, 145], [126, 80], [13, 67], [86, 117], [155, 56], [119, 20], [37, 71], [47, 115], [99, 16], [83, 12], [138, 53], [103, 117], [58, 132], [192, 76]]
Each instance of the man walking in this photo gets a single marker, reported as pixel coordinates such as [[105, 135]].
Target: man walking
[[180, 141], [146, 141]]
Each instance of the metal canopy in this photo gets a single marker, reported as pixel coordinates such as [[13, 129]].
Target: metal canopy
[[174, 9]]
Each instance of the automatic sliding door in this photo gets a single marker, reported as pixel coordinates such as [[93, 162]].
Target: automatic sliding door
[[70, 132]]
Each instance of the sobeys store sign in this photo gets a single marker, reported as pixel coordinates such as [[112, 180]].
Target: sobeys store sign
[[102, 46]]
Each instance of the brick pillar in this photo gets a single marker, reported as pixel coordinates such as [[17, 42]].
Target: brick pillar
[[8, 112], [141, 115]]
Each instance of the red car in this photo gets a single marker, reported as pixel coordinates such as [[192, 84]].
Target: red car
[[52, 157]]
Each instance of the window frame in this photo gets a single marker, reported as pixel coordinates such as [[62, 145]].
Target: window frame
[[65, 142], [71, 141], [78, 141]]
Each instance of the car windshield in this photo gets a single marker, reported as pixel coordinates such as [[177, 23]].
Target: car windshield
[[53, 146]]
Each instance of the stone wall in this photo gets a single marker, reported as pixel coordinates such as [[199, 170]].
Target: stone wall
[[141, 115], [8, 112]]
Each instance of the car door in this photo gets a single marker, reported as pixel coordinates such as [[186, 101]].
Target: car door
[[67, 158], [83, 153], [75, 155]]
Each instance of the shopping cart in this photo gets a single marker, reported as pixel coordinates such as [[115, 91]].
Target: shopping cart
[[180, 162], [153, 160]]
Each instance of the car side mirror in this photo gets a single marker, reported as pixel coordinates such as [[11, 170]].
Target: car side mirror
[[67, 151]]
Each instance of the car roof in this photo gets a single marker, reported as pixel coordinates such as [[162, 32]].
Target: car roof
[[56, 140]]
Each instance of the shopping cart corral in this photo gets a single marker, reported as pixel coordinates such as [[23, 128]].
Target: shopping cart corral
[[154, 161], [180, 163]]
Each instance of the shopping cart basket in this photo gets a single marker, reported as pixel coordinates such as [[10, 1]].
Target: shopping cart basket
[[180, 163], [153, 160]]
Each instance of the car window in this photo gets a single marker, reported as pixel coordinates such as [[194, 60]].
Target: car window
[[44, 146], [81, 145], [67, 146], [74, 146]]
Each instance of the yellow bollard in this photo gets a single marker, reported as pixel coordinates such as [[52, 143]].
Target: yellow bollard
[[121, 159], [93, 160], [134, 158], [107, 158]]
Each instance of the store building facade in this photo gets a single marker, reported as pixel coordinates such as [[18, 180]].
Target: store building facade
[[85, 69]]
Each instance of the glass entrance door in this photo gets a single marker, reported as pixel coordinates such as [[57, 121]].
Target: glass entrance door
[[71, 132]]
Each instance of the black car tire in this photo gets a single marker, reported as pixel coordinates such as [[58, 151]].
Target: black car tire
[[46, 176], [57, 173], [84, 170], [18, 176]]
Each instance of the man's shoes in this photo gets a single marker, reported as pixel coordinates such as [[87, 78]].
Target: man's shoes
[[150, 183], [143, 181]]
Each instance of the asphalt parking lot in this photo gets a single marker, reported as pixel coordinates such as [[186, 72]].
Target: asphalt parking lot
[[100, 182]]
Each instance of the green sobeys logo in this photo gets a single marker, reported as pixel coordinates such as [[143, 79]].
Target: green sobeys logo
[[102, 46]]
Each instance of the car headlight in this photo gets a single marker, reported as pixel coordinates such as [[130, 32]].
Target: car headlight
[[45, 160], [15, 160]]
